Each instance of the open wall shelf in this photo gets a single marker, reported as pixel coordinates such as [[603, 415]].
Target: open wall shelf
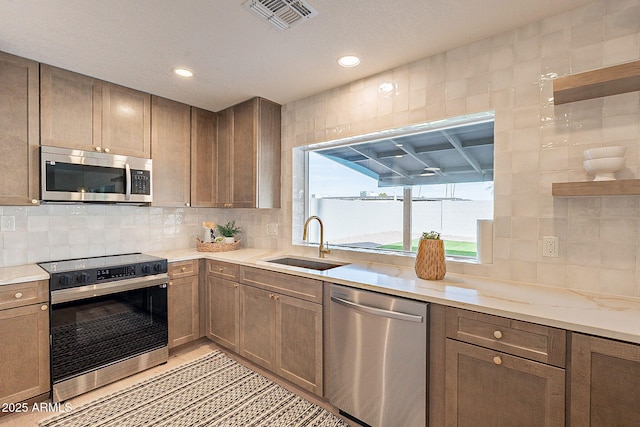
[[622, 187], [598, 83]]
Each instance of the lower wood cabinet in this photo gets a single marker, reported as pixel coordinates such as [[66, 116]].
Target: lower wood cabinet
[[604, 382], [485, 387], [24, 352], [223, 305], [281, 331], [183, 306], [282, 334], [500, 372], [258, 326]]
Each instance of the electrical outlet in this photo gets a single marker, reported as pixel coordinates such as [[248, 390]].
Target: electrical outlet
[[550, 246], [272, 229], [8, 223]]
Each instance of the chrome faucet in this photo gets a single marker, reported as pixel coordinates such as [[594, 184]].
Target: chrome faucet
[[321, 250]]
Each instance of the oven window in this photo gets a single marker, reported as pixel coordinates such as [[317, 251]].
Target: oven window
[[95, 332], [70, 177]]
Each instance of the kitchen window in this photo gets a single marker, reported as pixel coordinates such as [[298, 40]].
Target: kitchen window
[[379, 192]]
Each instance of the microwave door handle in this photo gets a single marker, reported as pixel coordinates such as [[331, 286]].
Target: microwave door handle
[[127, 184]]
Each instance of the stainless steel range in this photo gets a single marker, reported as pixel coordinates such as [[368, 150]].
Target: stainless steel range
[[108, 320]]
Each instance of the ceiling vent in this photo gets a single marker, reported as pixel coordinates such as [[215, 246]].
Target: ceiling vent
[[282, 13]]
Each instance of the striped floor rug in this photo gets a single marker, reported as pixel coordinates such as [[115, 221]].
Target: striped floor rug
[[214, 390]]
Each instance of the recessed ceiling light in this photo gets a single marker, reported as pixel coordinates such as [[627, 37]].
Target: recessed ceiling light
[[348, 61], [183, 72]]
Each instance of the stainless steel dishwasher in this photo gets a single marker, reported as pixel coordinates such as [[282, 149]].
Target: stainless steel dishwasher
[[378, 362]]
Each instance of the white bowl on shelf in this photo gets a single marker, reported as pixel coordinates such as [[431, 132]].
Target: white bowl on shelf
[[605, 152], [605, 168]]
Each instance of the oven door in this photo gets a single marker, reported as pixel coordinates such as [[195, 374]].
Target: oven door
[[96, 327], [84, 176]]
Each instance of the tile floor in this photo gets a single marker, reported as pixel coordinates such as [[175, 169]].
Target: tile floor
[[177, 357]]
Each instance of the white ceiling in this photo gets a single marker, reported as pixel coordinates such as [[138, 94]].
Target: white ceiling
[[235, 55]]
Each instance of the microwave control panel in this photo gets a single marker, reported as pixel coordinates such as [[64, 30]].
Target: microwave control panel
[[140, 182]]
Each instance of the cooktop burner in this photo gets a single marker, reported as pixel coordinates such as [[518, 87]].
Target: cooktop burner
[[86, 271]]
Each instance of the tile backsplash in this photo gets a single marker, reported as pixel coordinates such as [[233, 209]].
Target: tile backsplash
[[56, 231], [536, 144]]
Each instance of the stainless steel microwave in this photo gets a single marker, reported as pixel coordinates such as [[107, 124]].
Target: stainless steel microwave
[[69, 175]]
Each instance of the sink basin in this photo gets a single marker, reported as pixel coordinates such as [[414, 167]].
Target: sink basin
[[311, 264]]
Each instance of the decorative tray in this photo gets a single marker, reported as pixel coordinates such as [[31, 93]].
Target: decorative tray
[[216, 247]]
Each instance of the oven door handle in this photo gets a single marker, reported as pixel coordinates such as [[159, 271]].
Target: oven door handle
[[89, 291]]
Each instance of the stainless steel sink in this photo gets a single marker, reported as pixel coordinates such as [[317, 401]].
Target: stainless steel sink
[[306, 263]]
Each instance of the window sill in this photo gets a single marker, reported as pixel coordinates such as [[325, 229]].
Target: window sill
[[382, 256]]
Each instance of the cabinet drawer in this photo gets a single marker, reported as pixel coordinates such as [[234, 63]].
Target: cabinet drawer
[[536, 342], [286, 284], [183, 269], [21, 294], [223, 269]]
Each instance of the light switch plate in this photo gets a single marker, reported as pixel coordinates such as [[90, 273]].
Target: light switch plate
[[7, 223]]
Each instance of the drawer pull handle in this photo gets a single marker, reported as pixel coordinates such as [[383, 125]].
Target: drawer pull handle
[[183, 269], [221, 269], [18, 295], [44, 307], [497, 360], [235, 285], [497, 334], [170, 283]]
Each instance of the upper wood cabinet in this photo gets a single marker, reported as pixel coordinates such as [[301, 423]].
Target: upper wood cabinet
[[604, 382], [171, 152], [126, 125], [81, 112], [19, 131], [249, 155], [204, 137]]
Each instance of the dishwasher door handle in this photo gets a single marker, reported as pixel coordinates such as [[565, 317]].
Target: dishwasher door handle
[[378, 311]]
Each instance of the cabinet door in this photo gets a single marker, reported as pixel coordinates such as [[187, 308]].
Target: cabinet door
[[491, 388], [170, 140], [224, 169], [19, 131], [257, 326], [299, 342], [68, 101], [24, 353], [223, 308], [243, 157], [126, 123], [203, 157], [184, 320], [269, 154], [605, 382]]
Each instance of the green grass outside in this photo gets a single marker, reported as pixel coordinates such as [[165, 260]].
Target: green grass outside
[[451, 247]]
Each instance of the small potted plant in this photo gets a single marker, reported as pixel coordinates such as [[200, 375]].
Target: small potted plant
[[430, 260], [228, 231]]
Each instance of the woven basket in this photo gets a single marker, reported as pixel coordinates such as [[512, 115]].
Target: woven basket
[[430, 263], [216, 247]]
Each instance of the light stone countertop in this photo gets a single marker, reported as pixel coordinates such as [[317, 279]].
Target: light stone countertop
[[608, 316]]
